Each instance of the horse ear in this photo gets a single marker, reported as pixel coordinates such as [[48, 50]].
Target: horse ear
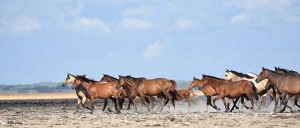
[[263, 68], [194, 77]]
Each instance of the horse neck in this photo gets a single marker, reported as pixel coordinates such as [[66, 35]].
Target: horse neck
[[273, 77], [132, 87], [235, 77], [213, 83], [113, 79], [85, 84]]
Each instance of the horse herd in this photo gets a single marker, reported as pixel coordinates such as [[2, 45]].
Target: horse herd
[[279, 85]]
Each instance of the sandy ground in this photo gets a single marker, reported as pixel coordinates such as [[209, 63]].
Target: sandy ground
[[60, 113]]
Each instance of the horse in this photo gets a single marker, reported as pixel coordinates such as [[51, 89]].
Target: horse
[[288, 72], [125, 92], [150, 87], [231, 90], [288, 85], [81, 92], [185, 94], [261, 86], [208, 91], [103, 90]]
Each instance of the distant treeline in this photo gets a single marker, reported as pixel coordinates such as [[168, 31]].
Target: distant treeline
[[53, 87]]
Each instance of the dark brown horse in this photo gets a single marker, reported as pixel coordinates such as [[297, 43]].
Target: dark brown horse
[[97, 90], [147, 88], [288, 72], [231, 90], [288, 85], [126, 91]]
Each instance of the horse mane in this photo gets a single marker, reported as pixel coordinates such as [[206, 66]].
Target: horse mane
[[212, 77], [239, 74], [286, 70], [197, 79], [83, 77], [110, 76], [129, 76], [252, 73], [72, 75], [271, 71]]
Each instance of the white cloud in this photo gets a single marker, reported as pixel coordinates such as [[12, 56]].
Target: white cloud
[[183, 24], [292, 19], [23, 25], [241, 18], [141, 10], [153, 50], [86, 24], [76, 11], [135, 24]]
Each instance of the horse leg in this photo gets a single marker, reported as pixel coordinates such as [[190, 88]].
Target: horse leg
[[250, 96], [234, 104], [144, 102], [105, 104], [247, 98], [296, 98], [285, 100], [243, 103], [167, 99], [83, 101], [225, 104], [120, 103], [272, 98], [260, 102], [276, 102], [208, 102], [214, 101], [78, 105], [187, 99], [116, 105], [92, 104]]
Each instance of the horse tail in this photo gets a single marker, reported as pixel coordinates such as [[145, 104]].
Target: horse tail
[[254, 90], [174, 84]]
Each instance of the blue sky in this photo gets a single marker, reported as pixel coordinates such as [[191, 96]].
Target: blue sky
[[43, 40]]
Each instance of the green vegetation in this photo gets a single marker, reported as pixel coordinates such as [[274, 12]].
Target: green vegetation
[[54, 87], [36, 87]]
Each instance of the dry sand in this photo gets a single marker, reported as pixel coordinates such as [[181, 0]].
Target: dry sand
[[59, 113]]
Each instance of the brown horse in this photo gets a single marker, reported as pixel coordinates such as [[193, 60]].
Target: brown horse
[[150, 87], [232, 75], [184, 94], [288, 72], [231, 90], [97, 90], [278, 93], [288, 85], [208, 91], [126, 91]]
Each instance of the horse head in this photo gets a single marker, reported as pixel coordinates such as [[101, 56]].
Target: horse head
[[69, 79]]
